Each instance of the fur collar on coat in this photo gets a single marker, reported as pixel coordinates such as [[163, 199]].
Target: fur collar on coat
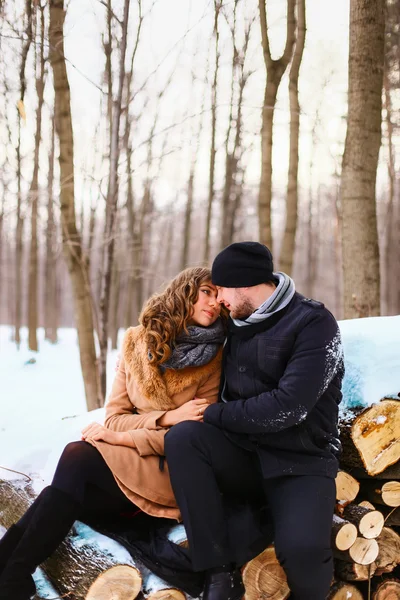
[[159, 388]]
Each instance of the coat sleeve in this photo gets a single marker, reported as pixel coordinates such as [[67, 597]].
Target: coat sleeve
[[152, 442], [316, 358], [120, 414], [210, 387]]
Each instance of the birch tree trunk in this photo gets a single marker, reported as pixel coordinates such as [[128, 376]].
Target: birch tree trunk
[[275, 69], [360, 237], [289, 238], [34, 193], [72, 245]]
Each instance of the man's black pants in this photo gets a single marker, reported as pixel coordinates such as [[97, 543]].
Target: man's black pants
[[204, 464]]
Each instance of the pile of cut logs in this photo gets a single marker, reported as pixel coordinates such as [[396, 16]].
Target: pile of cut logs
[[365, 530], [366, 524]]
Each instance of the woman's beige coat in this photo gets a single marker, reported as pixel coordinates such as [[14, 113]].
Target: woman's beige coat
[[139, 397]]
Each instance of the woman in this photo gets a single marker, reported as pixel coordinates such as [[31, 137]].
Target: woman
[[169, 372]]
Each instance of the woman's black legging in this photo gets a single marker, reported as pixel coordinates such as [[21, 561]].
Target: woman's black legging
[[83, 474]]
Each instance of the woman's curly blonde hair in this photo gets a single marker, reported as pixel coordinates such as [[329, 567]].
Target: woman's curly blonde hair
[[166, 314]]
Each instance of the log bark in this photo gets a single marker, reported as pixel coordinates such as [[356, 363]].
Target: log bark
[[78, 564], [350, 571], [264, 577], [389, 551], [392, 472], [393, 518], [344, 533]]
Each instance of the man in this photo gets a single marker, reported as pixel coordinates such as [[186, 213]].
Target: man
[[274, 429]]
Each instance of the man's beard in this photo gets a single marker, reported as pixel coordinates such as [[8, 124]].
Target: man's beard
[[243, 310]]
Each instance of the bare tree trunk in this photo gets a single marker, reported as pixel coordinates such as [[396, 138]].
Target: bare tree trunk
[[274, 72], [51, 313], [114, 303], [2, 278], [111, 208], [213, 151], [20, 219], [233, 148], [289, 238], [190, 190], [363, 139], [71, 240], [33, 195]]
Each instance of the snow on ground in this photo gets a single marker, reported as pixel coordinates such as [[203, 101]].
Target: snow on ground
[[372, 360], [42, 405]]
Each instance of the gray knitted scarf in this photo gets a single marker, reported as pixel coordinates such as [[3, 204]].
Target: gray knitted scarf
[[280, 298], [197, 347]]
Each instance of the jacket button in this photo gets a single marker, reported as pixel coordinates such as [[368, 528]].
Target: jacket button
[[242, 369]]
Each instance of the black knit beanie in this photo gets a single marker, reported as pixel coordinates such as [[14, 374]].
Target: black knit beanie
[[242, 264]]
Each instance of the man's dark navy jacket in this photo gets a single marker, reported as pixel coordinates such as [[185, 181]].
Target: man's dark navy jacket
[[281, 389]]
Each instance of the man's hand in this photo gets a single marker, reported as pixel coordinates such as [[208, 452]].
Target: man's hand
[[97, 432], [190, 411]]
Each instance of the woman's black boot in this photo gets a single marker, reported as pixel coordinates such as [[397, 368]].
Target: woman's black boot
[[8, 543], [13, 535], [48, 526]]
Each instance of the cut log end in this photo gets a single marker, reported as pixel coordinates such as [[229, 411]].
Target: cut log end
[[167, 594], [344, 591], [372, 524], [373, 435], [347, 487], [387, 590], [122, 582], [264, 577], [391, 493], [364, 551], [369, 522], [344, 534]]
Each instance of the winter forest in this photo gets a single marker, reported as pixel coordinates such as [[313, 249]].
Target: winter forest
[[181, 127], [141, 137]]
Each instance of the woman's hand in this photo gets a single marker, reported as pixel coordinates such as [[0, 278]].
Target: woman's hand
[[190, 411], [97, 432]]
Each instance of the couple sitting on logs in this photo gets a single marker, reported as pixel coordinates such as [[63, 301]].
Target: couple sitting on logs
[[182, 442]]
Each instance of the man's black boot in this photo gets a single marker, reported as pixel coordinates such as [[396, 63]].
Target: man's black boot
[[50, 523], [8, 543], [223, 585]]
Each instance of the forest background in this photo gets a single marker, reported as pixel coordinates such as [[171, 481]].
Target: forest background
[[139, 137]]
